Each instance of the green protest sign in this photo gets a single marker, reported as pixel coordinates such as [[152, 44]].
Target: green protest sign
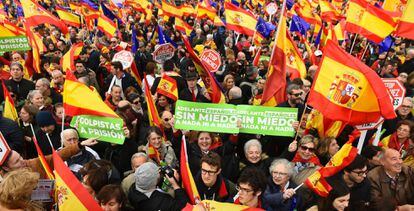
[[107, 129], [18, 43], [223, 118]]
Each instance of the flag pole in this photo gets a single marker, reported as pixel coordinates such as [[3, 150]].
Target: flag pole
[[363, 54], [301, 119], [301, 184], [63, 126], [50, 141], [353, 43], [34, 135]]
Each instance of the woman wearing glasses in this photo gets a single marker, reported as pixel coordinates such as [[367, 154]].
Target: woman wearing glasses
[[280, 193]]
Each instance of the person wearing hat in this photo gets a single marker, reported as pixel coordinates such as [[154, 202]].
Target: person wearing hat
[[248, 84], [48, 127], [144, 195], [194, 92]]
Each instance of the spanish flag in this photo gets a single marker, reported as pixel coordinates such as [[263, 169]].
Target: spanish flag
[[275, 88], [36, 15], [186, 176], [209, 81], [168, 87], [41, 156], [345, 89], [188, 10], [326, 127], [106, 25], [341, 159], [78, 99], [171, 10], [394, 5], [294, 62], [136, 74], [317, 183], [239, 20], [68, 17], [13, 28], [205, 10], [70, 193], [339, 30], [369, 21], [406, 25], [182, 26], [68, 60], [5, 32], [305, 10], [9, 110], [328, 12], [35, 49], [154, 118]]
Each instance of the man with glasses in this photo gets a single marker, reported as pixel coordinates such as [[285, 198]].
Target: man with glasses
[[211, 184], [251, 185], [392, 184], [355, 177], [403, 113]]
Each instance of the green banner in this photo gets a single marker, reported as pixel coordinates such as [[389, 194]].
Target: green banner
[[224, 118], [18, 43], [106, 129]]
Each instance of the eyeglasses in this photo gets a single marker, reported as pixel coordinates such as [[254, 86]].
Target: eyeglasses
[[406, 106], [361, 173], [277, 174], [297, 94], [167, 119], [310, 149], [244, 190], [403, 130], [210, 173], [136, 102]]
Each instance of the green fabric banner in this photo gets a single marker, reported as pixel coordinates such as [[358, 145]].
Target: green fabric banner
[[106, 129], [224, 118], [18, 43]]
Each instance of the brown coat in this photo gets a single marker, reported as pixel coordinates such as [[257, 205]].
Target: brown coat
[[65, 154], [381, 194]]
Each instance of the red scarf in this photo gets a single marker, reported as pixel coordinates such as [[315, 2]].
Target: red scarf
[[395, 144], [313, 159]]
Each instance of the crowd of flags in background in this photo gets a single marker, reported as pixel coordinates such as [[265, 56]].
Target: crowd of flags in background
[[334, 22]]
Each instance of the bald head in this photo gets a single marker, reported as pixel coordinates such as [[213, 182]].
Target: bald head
[[410, 53]]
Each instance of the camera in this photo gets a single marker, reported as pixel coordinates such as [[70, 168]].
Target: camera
[[167, 170]]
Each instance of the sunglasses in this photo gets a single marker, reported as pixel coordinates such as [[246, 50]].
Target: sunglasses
[[167, 119], [297, 94], [310, 149], [136, 102]]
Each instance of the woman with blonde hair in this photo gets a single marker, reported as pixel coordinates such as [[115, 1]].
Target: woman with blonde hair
[[16, 190], [328, 147]]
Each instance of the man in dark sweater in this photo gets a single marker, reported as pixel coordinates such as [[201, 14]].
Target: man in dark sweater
[[17, 83]]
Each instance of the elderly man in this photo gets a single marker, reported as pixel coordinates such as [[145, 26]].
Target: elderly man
[[403, 113], [392, 184], [58, 80], [137, 160], [43, 85], [408, 65]]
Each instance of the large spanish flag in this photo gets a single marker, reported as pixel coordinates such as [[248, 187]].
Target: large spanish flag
[[275, 88], [9, 110], [78, 99], [35, 55], [239, 20], [326, 127], [36, 15], [406, 25], [305, 10], [70, 193], [13, 28], [5, 32], [186, 176], [68, 60], [341, 159], [209, 81], [68, 17], [106, 25], [346, 89], [42, 159], [187, 10], [317, 183], [205, 10], [328, 12], [369, 21]]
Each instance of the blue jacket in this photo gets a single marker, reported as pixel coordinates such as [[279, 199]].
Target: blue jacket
[[273, 198]]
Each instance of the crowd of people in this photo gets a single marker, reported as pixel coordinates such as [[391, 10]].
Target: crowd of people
[[254, 170]]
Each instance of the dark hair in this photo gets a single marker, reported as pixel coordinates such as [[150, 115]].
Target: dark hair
[[32, 110], [109, 192], [370, 151], [212, 159], [358, 163], [153, 129], [97, 178], [117, 65], [210, 134], [340, 189], [150, 67], [253, 177], [168, 65], [297, 81], [410, 125]]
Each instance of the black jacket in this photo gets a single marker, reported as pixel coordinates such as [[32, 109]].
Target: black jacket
[[218, 192], [158, 201], [54, 138], [12, 133], [20, 88], [181, 83], [127, 81], [185, 94]]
